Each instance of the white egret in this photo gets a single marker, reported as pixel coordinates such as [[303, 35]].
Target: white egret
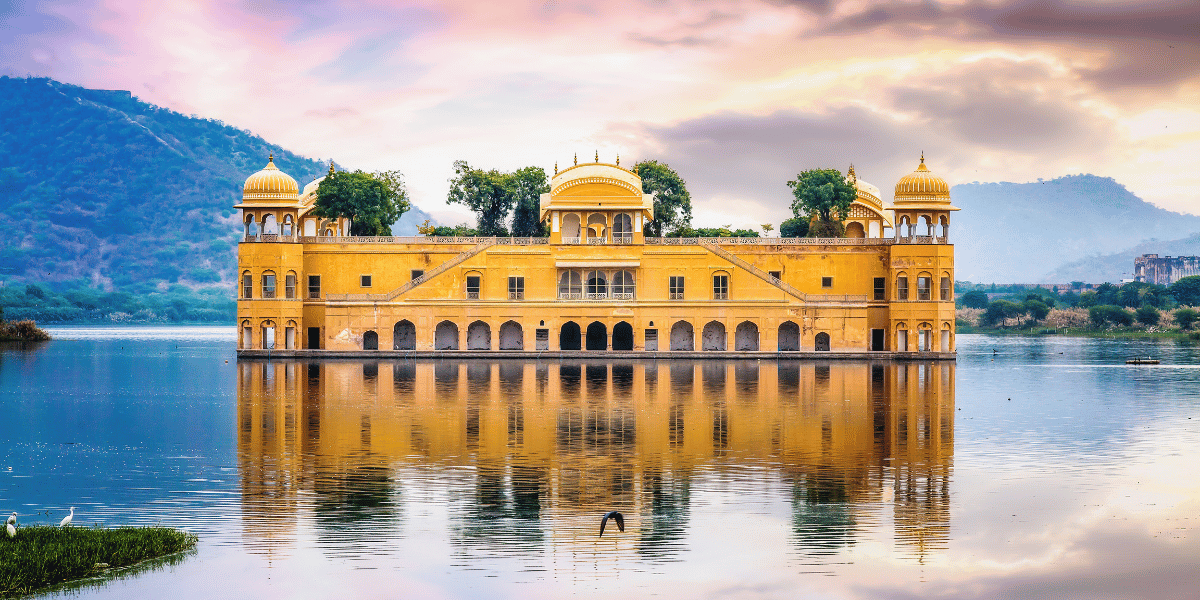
[[13, 519], [12, 531], [67, 519]]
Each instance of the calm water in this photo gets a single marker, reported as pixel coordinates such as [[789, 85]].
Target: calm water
[[1047, 469]]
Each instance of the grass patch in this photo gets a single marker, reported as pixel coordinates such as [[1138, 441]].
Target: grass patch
[[42, 556]]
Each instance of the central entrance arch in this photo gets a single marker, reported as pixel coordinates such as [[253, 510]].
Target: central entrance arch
[[597, 336], [622, 336], [569, 336]]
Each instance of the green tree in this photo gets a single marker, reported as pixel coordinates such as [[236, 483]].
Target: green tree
[[999, 310], [824, 196], [1185, 317], [1148, 315], [795, 227], [1108, 313], [527, 186], [1186, 291], [672, 202], [372, 201], [1036, 308], [486, 193], [975, 299]]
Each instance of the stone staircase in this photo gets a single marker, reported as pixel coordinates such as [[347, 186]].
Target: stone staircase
[[753, 270], [396, 293]]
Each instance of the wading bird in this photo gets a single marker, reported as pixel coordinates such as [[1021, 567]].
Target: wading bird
[[614, 515], [67, 519], [13, 519], [12, 531]]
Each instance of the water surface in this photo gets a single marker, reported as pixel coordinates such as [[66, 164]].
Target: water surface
[[1033, 468]]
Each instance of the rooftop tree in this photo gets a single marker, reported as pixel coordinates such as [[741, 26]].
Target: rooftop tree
[[372, 201], [823, 196], [672, 202]]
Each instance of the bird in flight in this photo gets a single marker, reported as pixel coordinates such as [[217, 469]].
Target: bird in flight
[[614, 515]]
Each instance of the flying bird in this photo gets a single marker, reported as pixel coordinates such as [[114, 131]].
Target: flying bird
[[67, 519], [614, 515]]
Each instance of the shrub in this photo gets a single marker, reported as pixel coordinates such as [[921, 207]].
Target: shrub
[[1185, 317], [1106, 314], [1148, 315], [1036, 309]]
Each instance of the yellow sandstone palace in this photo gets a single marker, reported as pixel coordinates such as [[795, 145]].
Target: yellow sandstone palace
[[597, 283]]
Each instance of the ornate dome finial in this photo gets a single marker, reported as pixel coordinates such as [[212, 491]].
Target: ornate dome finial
[[922, 157], [576, 158], [618, 159], [850, 173], [597, 156], [556, 167]]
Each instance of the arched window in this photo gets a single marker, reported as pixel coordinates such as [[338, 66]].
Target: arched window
[[924, 337], [902, 286], [821, 343], [286, 230], [597, 225], [623, 229], [570, 336], [901, 337], [479, 336], [570, 285], [251, 226], [622, 285], [597, 336], [720, 285], [289, 285], [247, 335], [268, 284], [445, 336], [854, 229], [924, 284], [926, 228], [270, 227], [946, 291], [310, 228], [597, 285], [944, 343], [570, 229], [247, 285], [370, 340], [474, 284], [622, 336]]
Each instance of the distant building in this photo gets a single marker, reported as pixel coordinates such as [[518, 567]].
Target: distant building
[[1164, 270], [597, 283]]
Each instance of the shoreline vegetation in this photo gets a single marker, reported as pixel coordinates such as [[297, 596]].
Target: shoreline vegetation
[[41, 556], [21, 331]]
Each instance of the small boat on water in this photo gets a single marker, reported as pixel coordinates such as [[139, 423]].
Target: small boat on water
[[1142, 361]]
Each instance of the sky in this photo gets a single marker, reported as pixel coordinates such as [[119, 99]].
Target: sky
[[738, 96]]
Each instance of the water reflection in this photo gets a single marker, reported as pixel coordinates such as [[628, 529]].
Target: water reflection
[[521, 459]]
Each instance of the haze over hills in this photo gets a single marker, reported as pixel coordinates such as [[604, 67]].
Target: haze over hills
[[99, 186], [1023, 232]]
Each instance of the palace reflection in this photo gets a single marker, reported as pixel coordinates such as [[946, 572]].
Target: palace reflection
[[528, 455]]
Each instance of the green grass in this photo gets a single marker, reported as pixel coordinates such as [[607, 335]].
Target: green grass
[[1089, 332], [42, 556]]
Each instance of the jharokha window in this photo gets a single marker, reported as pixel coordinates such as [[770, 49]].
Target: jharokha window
[[268, 285], [923, 283]]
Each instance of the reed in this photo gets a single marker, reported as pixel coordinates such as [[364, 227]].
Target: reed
[[41, 556]]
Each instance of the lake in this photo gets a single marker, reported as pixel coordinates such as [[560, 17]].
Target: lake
[[1031, 468]]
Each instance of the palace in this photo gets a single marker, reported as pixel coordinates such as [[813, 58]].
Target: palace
[[597, 283]]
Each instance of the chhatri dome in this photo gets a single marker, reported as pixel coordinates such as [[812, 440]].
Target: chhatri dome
[[922, 187], [867, 193], [270, 185]]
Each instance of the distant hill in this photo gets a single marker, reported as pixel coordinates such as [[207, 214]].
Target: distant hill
[[1023, 232], [1117, 266]]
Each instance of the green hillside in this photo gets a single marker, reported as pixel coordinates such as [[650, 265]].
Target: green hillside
[[103, 194]]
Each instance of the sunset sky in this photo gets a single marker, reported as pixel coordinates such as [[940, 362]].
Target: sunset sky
[[737, 95]]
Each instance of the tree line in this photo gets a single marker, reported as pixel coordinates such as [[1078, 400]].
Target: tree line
[[1107, 304], [508, 204]]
